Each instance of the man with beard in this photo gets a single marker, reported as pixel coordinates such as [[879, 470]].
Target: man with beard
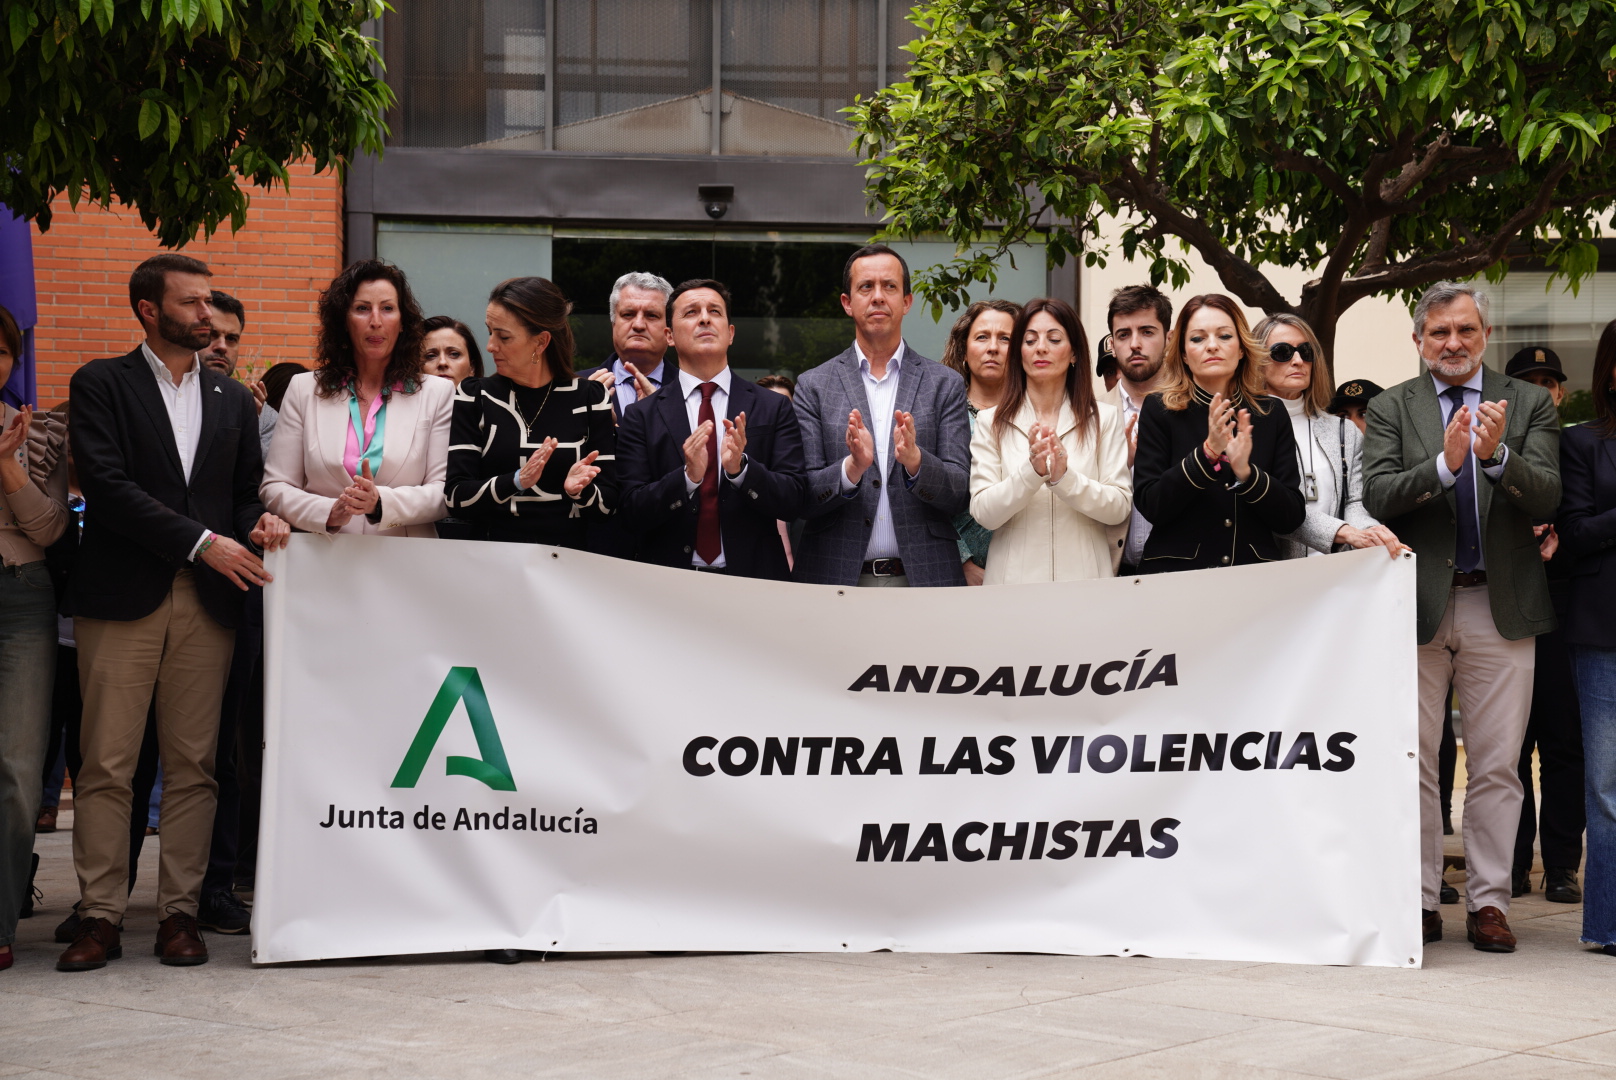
[[168, 457], [1138, 318], [1459, 461]]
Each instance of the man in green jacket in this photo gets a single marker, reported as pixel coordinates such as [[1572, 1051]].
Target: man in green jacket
[[1458, 462]]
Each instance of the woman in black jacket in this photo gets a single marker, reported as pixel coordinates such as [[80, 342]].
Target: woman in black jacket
[[1215, 470], [532, 448], [1587, 527]]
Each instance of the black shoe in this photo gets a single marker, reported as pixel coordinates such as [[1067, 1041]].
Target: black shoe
[[1449, 895], [502, 956], [1610, 950], [222, 913], [1520, 883], [1560, 886], [1447, 825], [32, 895], [1431, 925], [68, 929]]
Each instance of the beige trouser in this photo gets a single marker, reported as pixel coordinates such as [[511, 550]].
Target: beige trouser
[[888, 581], [1493, 679], [184, 655]]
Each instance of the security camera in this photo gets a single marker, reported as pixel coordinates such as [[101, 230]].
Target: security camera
[[715, 198]]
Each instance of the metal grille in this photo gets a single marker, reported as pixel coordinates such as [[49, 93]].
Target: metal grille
[[467, 73], [613, 56], [811, 56]]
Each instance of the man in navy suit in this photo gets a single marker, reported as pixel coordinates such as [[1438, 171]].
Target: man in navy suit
[[888, 445], [709, 464]]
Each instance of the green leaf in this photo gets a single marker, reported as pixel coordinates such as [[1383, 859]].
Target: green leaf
[[151, 114]]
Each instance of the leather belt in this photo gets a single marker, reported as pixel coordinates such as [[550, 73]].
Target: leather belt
[[1475, 577], [884, 568]]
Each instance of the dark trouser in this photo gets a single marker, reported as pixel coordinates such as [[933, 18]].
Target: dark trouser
[[67, 711], [1555, 729], [140, 793], [242, 692]]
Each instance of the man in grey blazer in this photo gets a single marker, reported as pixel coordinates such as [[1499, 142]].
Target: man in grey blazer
[[887, 444], [1458, 461]]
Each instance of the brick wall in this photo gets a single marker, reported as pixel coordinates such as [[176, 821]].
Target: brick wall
[[290, 248]]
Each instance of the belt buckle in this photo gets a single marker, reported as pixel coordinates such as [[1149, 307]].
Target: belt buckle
[[881, 568]]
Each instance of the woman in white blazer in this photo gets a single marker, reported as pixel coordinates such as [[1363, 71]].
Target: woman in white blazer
[[1049, 464], [1329, 449], [362, 443]]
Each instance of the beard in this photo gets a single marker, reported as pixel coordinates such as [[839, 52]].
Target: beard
[[185, 335], [1139, 375], [1453, 366]]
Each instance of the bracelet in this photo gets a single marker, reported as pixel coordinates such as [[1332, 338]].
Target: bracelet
[[207, 542]]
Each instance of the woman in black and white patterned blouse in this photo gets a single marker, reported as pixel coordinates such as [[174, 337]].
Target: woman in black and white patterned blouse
[[531, 449]]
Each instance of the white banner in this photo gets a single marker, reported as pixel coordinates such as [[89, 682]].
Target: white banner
[[476, 746]]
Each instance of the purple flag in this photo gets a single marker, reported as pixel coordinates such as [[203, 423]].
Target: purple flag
[[17, 297]]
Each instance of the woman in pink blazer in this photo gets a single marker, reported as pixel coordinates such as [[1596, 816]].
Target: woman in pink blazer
[[362, 442]]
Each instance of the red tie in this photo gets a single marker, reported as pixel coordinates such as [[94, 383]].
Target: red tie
[[709, 544]]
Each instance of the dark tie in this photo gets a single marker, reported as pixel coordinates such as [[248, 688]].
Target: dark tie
[[709, 545], [1468, 553]]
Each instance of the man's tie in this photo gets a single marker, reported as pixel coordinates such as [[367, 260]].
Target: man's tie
[[709, 544], [1468, 553]]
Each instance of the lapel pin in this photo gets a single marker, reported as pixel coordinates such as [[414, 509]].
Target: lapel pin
[[216, 390]]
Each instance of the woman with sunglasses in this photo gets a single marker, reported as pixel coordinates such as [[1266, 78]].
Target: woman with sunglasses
[[1329, 449]]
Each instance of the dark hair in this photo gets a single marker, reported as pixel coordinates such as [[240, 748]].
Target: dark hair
[[959, 334], [336, 353], [698, 283], [864, 253], [225, 302], [1604, 372], [150, 279], [778, 382], [11, 334], [540, 307], [1079, 381], [1132, 298], [449, 322], [1178, 386], [277, 379]]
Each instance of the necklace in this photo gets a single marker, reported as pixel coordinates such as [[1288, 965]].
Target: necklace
[[527, 425]]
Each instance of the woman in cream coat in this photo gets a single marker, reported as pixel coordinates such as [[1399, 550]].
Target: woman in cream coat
[[362, 444], [1049, 465], [1329, 449]]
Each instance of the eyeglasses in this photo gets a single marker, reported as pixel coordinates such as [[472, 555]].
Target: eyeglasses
[[1282, 352]]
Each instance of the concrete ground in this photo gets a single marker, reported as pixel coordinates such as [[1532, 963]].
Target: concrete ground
[[1547, 1011]]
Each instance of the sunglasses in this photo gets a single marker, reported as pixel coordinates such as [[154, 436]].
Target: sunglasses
[[1282, 352]]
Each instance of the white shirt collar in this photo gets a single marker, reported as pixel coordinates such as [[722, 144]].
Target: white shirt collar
[[160, 369], [894, 366], [689, 382], [1472, 383]]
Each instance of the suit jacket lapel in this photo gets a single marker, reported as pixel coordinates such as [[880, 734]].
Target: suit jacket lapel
[[139, 375], [211, 385], [740, 396], [853, 383], [402, 412], [670, 403], [1426, 412], [331, 422]]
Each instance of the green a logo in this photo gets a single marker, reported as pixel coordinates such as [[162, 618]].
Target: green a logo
[[462, 683]]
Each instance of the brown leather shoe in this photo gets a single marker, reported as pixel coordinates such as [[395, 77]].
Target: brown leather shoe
[[94, 943], [1489, 931], [46, 822], [1431, 924], [179, 942]]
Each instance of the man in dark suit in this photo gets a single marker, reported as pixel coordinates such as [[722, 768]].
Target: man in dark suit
[[636, 369], [1458, 462], [887, 442], [672, 447], [168, 457]]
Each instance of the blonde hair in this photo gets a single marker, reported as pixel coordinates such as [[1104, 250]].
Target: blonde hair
[[1178, 386], [1319, 394]]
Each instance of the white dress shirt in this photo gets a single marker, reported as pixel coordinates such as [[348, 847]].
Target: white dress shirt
[[626, 390], [1472, 400], [883, 397], [184, 405], [1133, 551], [690, 387]]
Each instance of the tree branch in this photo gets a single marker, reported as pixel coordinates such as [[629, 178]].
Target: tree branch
[[1291, 161]]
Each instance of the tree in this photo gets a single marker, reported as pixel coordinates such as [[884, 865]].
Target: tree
[[1390, 143], [169, 105]]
